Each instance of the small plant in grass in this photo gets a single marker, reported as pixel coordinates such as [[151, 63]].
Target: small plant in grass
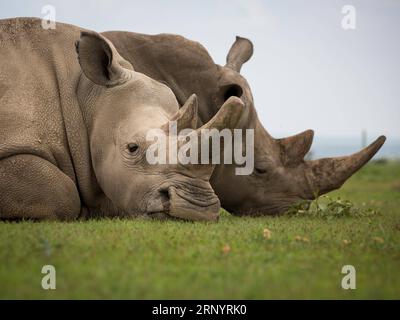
[[329, 208]]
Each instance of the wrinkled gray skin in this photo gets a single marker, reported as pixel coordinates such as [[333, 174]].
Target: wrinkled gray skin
[[72, 133], [281, 176]]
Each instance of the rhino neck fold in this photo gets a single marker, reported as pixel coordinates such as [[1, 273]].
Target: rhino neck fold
[[78, 143]]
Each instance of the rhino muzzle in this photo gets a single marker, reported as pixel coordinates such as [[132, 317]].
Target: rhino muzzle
[[194, 201]]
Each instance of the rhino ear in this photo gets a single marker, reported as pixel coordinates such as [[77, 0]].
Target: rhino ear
[[100, 61], [240, 52]]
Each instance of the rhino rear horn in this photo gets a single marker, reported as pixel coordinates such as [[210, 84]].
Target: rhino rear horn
[[294, 148], [187, 115], [240, 52], [328, 174], [228, 116]]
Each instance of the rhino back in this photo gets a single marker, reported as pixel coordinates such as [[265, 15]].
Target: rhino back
[[184, 65], [38, 77]]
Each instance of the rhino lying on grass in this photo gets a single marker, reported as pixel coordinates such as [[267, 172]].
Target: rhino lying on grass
[[281, 176], [72, 133]]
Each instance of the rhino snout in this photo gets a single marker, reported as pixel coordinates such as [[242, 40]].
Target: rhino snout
[[188, 201]]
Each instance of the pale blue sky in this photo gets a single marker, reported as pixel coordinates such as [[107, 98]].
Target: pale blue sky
[[306, 72]]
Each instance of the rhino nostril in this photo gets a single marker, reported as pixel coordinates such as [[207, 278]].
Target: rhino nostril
[[164, 195], [260, 170]]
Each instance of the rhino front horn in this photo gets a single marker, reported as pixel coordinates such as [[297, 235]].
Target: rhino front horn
[[328, 174]]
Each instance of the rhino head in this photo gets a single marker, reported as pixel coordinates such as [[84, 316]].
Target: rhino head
[[281, 176], [120, 107]]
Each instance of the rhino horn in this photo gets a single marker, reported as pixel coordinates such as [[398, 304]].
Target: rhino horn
[[228, 115], [187, 115], [240, 52], [328, 174], [294, 148]]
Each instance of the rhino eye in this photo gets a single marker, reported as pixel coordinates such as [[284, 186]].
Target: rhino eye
[[133, 147], [260, 170]]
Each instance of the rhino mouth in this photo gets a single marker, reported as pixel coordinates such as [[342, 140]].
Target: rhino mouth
[[193, 202], [193, 206]]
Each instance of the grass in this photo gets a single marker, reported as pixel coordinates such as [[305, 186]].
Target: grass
[[232, 259]]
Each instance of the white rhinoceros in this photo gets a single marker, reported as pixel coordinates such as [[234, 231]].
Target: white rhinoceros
[[72, 132], [281, 176]]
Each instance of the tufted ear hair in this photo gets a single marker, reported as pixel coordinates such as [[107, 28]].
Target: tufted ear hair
[[100, 61]]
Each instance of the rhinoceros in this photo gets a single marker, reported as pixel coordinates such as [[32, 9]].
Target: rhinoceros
[[73, 118], [281, 176]]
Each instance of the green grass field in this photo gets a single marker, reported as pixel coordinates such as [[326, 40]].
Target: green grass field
[[143, 259]]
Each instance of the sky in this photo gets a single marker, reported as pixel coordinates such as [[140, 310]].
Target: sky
[[306, 71]]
